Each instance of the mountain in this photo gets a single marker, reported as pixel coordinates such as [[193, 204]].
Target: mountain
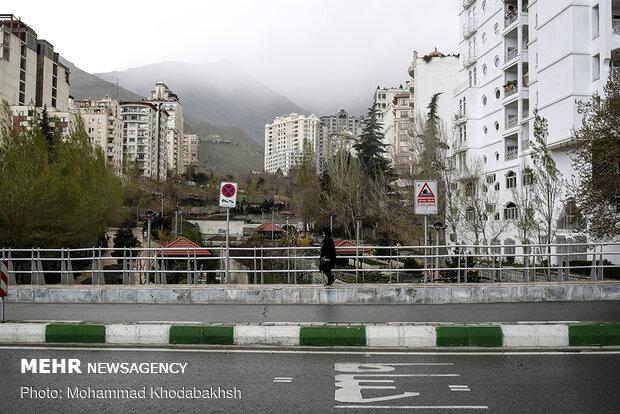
[[224, 150], [219, 92]]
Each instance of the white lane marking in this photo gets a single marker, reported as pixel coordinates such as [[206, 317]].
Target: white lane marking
[[407, 375], [418, 407], [283, 379], [276, 351]]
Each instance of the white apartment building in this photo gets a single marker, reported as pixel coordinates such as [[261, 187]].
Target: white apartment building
[[430, 74], [397, 124], [191, 150], [104, 126], [284, 141], [516, 56], [387, 115], [336, 132], [145, 137], [174, 128], [30, 71]]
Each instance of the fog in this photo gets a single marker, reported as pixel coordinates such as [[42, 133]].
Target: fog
[[322, 54]]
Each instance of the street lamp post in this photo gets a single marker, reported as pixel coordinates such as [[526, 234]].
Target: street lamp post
[[331, 222], [273, 212], [358, 220], [176, 220], [162, 211], [181, 213], [287, 227], [262, 216], [149, 215], [438, 225]]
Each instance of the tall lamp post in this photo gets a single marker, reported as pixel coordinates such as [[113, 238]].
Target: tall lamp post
[[273, 213], [181, 213], [176, 220], [162, 211], [149, 216], [438, 225], [262, 216], [358, 220], [331, 222]]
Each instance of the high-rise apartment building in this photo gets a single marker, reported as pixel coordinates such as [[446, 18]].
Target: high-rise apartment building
[[104, 126], [285, 138], [170, 103], [191, 150], [145, 137], [336, 132], [516, 56], [30, 71]]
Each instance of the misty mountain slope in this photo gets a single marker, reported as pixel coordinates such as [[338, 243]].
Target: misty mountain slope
[[219, 92], [244, 155]]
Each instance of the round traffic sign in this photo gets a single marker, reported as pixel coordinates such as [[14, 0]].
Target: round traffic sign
[[228, 190]]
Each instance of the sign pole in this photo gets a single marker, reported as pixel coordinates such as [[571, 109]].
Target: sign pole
[[425, 252], [228, 199], [4, 284], [226, 279]]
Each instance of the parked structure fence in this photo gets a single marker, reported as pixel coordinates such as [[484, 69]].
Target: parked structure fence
[[292, 265]]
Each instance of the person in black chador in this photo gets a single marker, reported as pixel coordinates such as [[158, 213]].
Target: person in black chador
[[328, 256]]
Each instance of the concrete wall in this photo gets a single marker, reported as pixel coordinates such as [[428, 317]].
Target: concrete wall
[[313, 294]]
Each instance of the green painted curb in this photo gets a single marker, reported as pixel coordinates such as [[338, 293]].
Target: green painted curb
[[91, 334], [469, 336], [214, 335], [579, 335], [332, 335]]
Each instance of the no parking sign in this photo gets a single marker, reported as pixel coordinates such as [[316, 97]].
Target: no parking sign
[[228, 195]]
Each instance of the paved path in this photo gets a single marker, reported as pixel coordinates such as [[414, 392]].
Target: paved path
[[489, 312], [305, 381]]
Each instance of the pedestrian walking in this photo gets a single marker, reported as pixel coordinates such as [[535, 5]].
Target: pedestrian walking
[[327, 259]]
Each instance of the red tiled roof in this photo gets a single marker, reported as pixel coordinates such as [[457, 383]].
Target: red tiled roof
[[182, 245], [401, 95], [435, 53], [267, 228], [191, 212], [347, 247], [286, 213]]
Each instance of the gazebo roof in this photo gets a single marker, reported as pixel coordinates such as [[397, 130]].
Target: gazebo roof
[[181, 246], [347, 246], [266, 227]]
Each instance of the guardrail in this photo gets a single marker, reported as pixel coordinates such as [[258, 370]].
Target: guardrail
[[291, 265]]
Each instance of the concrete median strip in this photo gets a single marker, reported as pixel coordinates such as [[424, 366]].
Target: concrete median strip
[[393, 335]]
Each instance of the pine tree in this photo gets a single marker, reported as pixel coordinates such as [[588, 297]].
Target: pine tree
[[370, 149], [595, 155]]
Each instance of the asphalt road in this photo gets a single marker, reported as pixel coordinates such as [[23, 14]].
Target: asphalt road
[[318, 381], [489, 312]]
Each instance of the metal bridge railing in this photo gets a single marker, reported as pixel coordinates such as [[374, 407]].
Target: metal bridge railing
[[292, 265]]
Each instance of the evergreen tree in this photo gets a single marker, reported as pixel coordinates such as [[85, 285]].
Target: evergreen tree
[[370, 149], [66, 200], [595, 155]]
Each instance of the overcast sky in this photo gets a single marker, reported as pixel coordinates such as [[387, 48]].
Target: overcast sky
[[321, 54]]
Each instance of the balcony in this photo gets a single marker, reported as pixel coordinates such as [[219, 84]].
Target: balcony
[[510, 18], [470, 28], [510, 88], [467, 3], [511, 153], [473, 58], [460, 117], [511, 121], [511, 53]]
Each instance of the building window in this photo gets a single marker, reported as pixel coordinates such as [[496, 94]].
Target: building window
[[496, 62], [511, 179], [595, 19], [470, 214], [483, 39], [485, 130], [596, 67], [510, 211], [484, 70], [497, 94], [495, 29], [490, 178], [484, 100]]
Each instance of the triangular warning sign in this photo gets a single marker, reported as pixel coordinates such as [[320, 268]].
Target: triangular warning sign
[[426, 191]]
